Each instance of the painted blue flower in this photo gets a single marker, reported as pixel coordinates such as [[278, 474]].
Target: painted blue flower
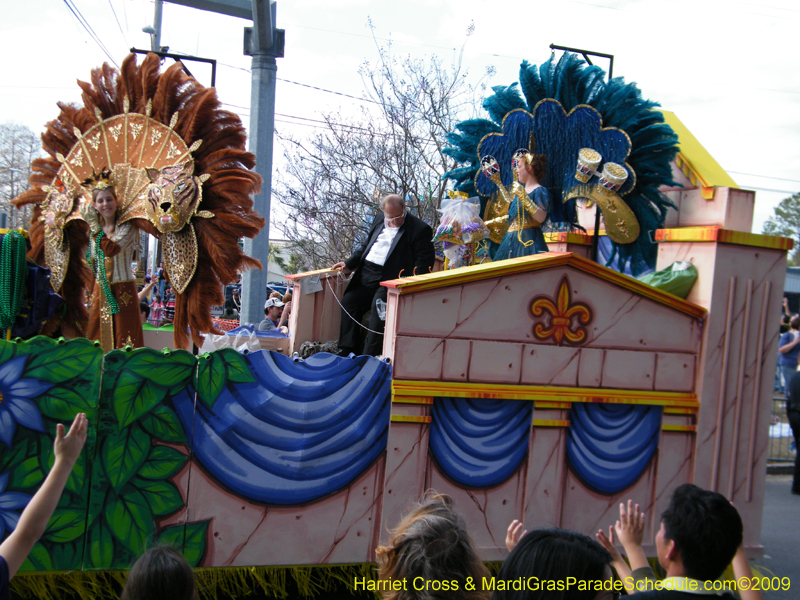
[[10, 505], [15, 400]]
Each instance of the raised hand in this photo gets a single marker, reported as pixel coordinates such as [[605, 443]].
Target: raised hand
[[68, 447], [514, 534]]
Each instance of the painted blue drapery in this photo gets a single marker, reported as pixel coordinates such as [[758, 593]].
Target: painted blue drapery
[[302, 431], [480, 442], [609, 445]]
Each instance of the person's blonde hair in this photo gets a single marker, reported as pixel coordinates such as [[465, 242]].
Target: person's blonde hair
[[432, 543]]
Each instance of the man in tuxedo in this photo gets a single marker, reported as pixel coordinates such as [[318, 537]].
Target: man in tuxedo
[[398, 244]]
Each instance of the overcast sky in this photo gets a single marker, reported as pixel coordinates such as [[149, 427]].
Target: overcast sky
[[728, 70]]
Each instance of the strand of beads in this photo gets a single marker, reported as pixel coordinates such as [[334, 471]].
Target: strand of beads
[[13, 272], [100, 274]]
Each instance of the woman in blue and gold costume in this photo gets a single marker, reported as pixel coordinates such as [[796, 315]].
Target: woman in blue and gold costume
[[528, 209]]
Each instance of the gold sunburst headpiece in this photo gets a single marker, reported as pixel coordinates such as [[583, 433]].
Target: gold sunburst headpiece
[[101, 181]]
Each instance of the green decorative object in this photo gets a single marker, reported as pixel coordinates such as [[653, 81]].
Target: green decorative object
[[13, 272], [100, 274], [677, 279]]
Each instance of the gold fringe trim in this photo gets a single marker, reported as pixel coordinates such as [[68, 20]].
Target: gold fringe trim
[[86, 585], [235, 582], [232, 582]]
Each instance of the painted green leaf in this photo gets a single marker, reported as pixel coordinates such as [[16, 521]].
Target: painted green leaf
[[6, 351], [101, 546], [210, 378], [123, 453], [134, 396], [78, 476], [189, 538], [172, 535], [61, 363], [162, 462], [238, 369], [25, 445], [29, 473], [67, 524], [67, 556], [194, 546], [163, 497], [100, 543], [63, 404], [38, 560], [167, 370], [98, 493], [130, 519], [163, 423]]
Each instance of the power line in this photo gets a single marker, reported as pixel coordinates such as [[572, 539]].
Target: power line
[[313, 87], [765, 176], [82, 20], [118, 23], [758, 189]]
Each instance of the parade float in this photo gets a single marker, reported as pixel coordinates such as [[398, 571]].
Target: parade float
[[545, 388]]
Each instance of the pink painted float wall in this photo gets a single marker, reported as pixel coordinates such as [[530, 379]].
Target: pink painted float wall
[[471, 333]]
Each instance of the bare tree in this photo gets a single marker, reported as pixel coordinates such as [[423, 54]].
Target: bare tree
[[18, 148], [334, 178]]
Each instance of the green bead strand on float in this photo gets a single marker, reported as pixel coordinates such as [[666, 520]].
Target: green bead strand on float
[[13, 273]]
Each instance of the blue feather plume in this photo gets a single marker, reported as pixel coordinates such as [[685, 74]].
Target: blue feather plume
[[572, 82]]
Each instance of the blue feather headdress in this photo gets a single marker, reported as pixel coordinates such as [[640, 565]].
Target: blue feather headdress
[[561, 107]]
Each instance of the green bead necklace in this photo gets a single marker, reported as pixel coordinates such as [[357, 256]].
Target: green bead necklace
[[100, 274], [13, 272]]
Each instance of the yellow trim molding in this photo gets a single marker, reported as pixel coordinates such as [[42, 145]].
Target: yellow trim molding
[[550, 422], [404, 388], [412, 400], [673, 410], [410, 419], [684, 428], [714, 233], [559, 405]]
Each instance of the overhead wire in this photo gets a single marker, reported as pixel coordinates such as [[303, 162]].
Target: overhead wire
[[85, 24], [124, 37]]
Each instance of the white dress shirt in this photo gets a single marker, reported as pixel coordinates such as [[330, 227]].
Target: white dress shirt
[[380, 249]]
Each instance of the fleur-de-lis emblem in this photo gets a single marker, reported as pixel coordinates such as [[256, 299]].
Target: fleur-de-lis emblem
[[561, 313]]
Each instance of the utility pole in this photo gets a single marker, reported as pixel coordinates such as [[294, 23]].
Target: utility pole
[[264, 45]]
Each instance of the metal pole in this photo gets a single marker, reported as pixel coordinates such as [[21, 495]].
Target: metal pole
[[610, 57], [262, 127], [156, 39]]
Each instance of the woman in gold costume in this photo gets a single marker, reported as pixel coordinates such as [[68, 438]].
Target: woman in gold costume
[[114, 316], [527, 211]]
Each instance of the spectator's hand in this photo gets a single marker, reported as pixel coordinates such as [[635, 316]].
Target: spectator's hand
[[342, 267], [284, 330], [630, 527], [68, 447], [514, 534], [608, 542]]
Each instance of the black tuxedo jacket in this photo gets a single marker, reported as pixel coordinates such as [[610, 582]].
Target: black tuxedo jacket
[[412, 248]]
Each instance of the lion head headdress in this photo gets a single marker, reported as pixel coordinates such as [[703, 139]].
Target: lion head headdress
[[180, 171]]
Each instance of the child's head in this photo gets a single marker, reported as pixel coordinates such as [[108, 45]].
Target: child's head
[[556, 555], [702, 528], [431, 543], [161, 573]]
